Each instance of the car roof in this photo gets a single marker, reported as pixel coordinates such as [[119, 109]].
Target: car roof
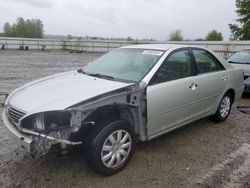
[[164, 47]]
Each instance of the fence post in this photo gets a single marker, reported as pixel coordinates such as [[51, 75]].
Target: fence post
[[82, 44], [87, 45], [227, 51]]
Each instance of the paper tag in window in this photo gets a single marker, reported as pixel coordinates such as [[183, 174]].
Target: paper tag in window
[[152, 52]]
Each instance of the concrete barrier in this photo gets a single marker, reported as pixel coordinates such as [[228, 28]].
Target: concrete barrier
[[225, 49]]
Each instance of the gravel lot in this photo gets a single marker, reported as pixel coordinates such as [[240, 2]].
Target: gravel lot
[[201, 154]]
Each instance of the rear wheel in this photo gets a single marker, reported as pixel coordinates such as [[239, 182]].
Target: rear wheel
[[111, 146], [224, 108]]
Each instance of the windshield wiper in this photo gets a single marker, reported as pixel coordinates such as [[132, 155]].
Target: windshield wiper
[[233, 62], [96, 74], [81, 71], [101, 76]]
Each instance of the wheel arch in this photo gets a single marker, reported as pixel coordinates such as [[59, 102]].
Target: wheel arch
[[115, 111], [232, 93]]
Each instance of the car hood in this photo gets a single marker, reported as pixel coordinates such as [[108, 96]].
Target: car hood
[[60, 91], [245, 67]]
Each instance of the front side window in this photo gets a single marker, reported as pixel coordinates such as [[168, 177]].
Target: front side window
[[206, 62], [128, 65], [178, 65]]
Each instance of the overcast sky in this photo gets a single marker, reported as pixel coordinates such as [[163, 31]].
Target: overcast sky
[[121, 18]]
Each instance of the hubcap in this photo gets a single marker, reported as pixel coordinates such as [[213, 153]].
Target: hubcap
[[225, 106], [116, 148]]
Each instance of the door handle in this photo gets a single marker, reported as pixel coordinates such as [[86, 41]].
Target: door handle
[[193, 86], [224, 77]]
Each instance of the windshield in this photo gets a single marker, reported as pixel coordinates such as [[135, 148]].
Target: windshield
[[240, 57], [128, 65]]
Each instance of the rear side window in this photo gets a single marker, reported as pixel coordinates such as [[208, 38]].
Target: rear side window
[[206, 62]]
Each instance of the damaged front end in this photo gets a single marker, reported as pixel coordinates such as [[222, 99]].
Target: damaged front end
[[38, 132]]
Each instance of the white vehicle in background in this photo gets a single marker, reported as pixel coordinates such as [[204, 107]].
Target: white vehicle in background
[[132, 93], [241, 60]]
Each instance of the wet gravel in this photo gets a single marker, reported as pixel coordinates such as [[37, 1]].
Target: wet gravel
[[201, 154]]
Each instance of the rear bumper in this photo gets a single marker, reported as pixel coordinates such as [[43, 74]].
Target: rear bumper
[[13, 133]]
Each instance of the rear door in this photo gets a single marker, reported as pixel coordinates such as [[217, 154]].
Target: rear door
[[212, 80], [172, 93]]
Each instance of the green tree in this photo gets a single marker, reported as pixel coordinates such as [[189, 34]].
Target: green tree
[[241, 31], [13, 31], [32, 28], [20, 29], [214, 36], [38, 29], [129, 38], [176, 36], [7, 29]]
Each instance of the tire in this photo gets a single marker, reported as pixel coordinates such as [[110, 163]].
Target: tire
[[224, 108], [111, 146]]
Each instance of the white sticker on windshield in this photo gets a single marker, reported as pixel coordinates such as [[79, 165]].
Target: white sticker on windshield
[[152, 52]]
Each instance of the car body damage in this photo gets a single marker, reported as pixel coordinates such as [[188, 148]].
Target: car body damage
[[132, 93], [127, 103], [47, 128]]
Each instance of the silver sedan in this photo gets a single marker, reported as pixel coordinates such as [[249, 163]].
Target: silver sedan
[[132, 93]]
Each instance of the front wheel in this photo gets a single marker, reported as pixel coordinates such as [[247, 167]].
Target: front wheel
[[111, 147], [224, 108]]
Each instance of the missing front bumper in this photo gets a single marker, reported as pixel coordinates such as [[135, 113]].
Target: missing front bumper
[[15, 135], [35, 143]]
